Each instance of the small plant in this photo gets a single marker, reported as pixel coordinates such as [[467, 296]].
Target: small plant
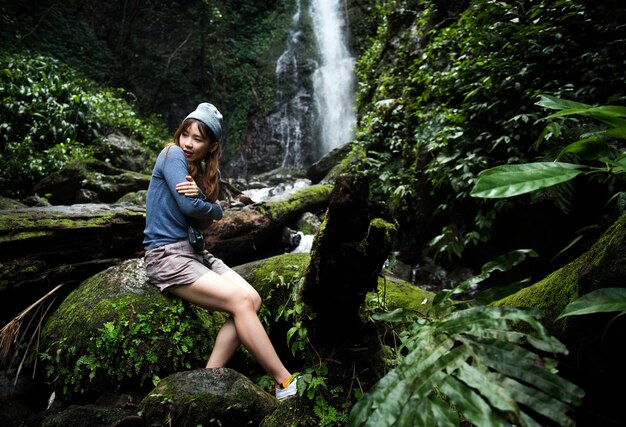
[[327, 403], [130, 350]]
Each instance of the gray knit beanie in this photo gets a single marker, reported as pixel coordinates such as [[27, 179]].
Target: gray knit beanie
[[210, 116]]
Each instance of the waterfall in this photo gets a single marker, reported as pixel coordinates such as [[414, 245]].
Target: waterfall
[[333, 81], [313, 109], [289, 122]]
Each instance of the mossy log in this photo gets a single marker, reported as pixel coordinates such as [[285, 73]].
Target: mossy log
[[603, 265], [255, 231], [43, 246], [595, 341]]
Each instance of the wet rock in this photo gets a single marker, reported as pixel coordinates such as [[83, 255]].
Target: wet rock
[[84, 195], [109, 182], [308, 223], [207, 397]]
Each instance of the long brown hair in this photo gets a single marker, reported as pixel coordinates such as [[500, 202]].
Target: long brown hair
[[207, 178]]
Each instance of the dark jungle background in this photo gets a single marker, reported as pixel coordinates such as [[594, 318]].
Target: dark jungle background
[[444, 90]]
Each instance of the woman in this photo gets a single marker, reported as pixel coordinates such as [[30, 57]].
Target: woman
[[183, 189]]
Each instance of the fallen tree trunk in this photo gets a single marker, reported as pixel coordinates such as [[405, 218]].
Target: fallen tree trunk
[[255, 231], [42, 247]]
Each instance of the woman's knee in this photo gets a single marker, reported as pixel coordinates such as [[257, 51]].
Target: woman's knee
[[244, 301], [256, 300]]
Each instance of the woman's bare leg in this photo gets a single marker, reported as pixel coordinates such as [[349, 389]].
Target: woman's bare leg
[[215, 292], [227, 342]]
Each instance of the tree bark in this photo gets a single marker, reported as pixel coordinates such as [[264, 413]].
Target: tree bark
[[346, 260]]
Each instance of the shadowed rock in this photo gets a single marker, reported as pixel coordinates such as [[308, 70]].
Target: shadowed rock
[[207, 397]]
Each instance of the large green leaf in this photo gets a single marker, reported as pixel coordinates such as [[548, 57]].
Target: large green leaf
[[588, 149], [603, 300], [610, 114], [554, 103], [512, 180]]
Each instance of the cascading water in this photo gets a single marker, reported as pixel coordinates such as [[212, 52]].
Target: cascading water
[[289, 122], [333, 81], [313, 110]]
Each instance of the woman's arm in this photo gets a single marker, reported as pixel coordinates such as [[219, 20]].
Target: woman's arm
[[175, 171], [189, 188]]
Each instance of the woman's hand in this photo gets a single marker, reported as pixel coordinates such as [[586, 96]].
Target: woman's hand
[[188, 188]]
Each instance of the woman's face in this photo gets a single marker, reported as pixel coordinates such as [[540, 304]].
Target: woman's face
[[194, 145]]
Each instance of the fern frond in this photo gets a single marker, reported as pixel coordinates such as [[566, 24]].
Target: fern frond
[[477, 364]]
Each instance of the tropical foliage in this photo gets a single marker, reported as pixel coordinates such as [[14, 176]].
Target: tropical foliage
[[448, 89], [597, 146], [473, 363], [51, 115]]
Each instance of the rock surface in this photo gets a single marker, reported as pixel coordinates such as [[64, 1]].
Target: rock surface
[[207, 397], [116, 329]]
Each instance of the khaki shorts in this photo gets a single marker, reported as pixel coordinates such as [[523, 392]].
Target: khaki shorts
[[178, 264]]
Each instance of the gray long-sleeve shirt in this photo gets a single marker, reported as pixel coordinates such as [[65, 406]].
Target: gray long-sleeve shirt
[[168, 213]]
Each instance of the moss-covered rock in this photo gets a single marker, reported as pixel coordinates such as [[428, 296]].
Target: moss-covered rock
[[207, 397], [6, 203], [603, 265], [135, 198], [394, 293], [275, 277], [116, 329], [109, 182]]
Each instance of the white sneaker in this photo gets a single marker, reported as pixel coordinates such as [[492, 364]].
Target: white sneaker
[[287, 392]]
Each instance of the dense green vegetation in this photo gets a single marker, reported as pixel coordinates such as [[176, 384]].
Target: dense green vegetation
[[448, 89], [52, 115], [75, 71]]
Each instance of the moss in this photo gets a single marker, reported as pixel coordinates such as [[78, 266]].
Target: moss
[[26, 235], [379, 232], [50, 220], [15, 269], [601, 264], [313, 195], [395, 293], [116, 329], [265, 276], [6, 203]]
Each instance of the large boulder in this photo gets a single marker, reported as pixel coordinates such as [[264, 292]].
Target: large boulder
[[125, 153], [117, 330], [207, 397]]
